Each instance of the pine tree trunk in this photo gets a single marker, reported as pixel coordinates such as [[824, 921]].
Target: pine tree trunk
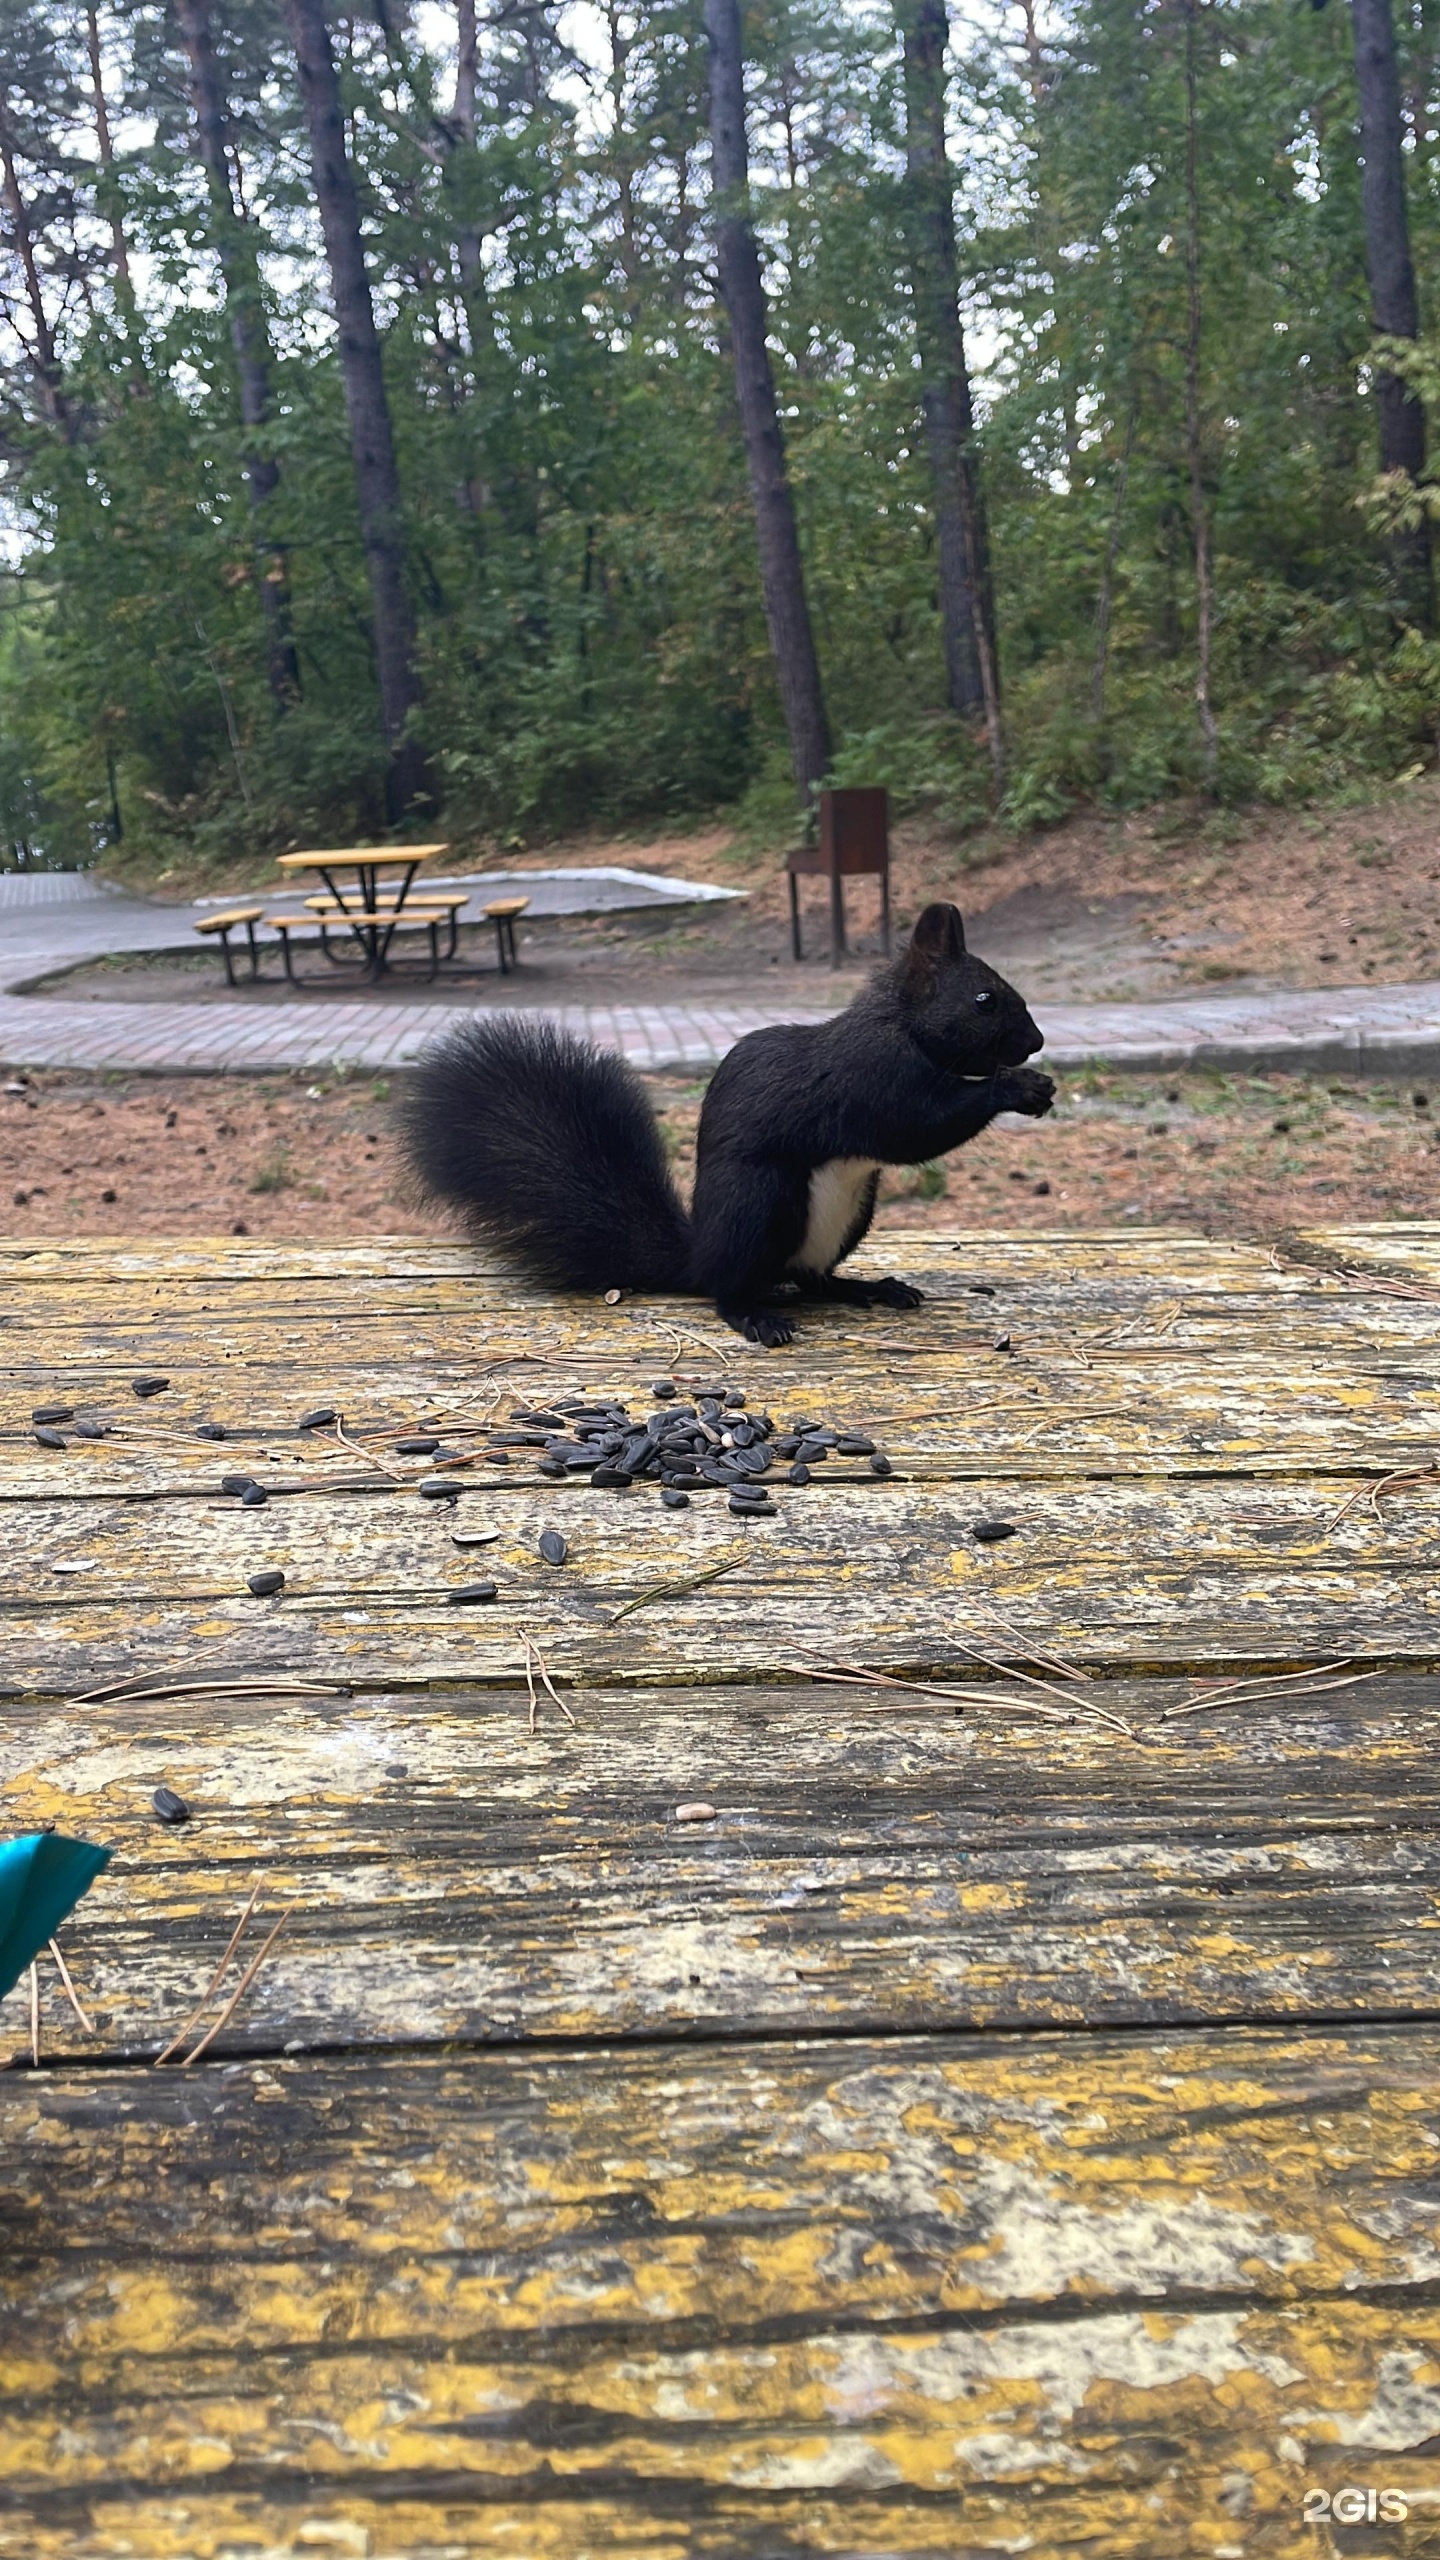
[[42, 351], [1393, 299], [372, 445], [782, 577], [467, 238], [966, 602], [107, 191], [1101, 663], [245, 312], [1199, 513]]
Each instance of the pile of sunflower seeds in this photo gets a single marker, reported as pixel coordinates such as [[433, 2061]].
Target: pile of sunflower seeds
[[688, 1447]]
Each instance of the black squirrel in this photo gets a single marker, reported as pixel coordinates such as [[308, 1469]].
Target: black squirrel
[[552, 1154]]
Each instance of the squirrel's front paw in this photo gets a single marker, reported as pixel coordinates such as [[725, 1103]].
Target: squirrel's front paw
[[1027, 1090]]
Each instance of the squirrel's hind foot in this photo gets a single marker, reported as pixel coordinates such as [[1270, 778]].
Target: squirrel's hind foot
[[895, 1293], [760, 1324], [841, 1292]]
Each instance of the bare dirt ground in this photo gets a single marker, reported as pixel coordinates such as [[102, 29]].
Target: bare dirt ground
[[286, 1158], [1149, 904]]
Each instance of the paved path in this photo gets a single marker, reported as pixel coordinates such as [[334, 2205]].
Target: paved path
[[50, 919]]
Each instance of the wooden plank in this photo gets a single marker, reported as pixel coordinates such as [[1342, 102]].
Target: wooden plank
[[871, 1865], [1407, 1248], [940, 2297], [1127, 1573], [1283, 1410], [1128, 1355]]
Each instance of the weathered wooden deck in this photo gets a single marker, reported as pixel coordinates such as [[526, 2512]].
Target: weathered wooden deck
[[989, 2134]]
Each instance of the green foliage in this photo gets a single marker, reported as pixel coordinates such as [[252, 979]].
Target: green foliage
[[580, 538]]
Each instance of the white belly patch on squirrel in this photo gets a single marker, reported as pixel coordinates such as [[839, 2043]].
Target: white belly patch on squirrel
[[836, 1192]]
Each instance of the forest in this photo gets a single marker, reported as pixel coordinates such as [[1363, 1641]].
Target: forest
[[546, 416]]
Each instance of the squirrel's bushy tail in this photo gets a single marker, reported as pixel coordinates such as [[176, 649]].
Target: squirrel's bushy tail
[[551, 1153]]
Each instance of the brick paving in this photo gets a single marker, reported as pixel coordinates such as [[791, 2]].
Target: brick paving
[[1352, 1030]]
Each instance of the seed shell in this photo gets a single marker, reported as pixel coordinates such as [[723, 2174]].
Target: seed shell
[[552, 1546], [169, 1806], [265, 1585]]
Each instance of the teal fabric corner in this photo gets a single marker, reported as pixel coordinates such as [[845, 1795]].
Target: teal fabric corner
[[42, 1877]]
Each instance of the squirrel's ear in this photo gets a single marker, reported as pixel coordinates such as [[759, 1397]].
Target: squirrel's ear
[[939, 936]]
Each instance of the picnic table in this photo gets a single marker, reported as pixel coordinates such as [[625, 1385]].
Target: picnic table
[[1004, 2121], [370, 887]]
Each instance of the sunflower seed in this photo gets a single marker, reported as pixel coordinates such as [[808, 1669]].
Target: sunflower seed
[[552, 1546], [148, 1386], [674, 1499], [254, 1497], [854, 1445], [799, 1473], [612, 1479], [988, 1533], [89, 1430], [211, 1431], [236, 1484], [662, 1389], [550, 1467], [53, 1413], [695, 1813], [473, 1537], [880, 1464], [49, 1439], [438, 1489], [463, 1593], [265, 1585], [169, 1806], [320, 1419], [415, 1448]]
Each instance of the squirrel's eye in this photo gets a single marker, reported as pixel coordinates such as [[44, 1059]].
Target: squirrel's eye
[[984, 996]]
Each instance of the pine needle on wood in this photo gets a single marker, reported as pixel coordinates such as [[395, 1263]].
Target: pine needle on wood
[[1387, 1484], [382, 1466], [535, 1661], [236, 1996], [216, 1978], [676, 1590], [258, 1685], [846, 1675], [70, 1992], [1284, 1685]]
